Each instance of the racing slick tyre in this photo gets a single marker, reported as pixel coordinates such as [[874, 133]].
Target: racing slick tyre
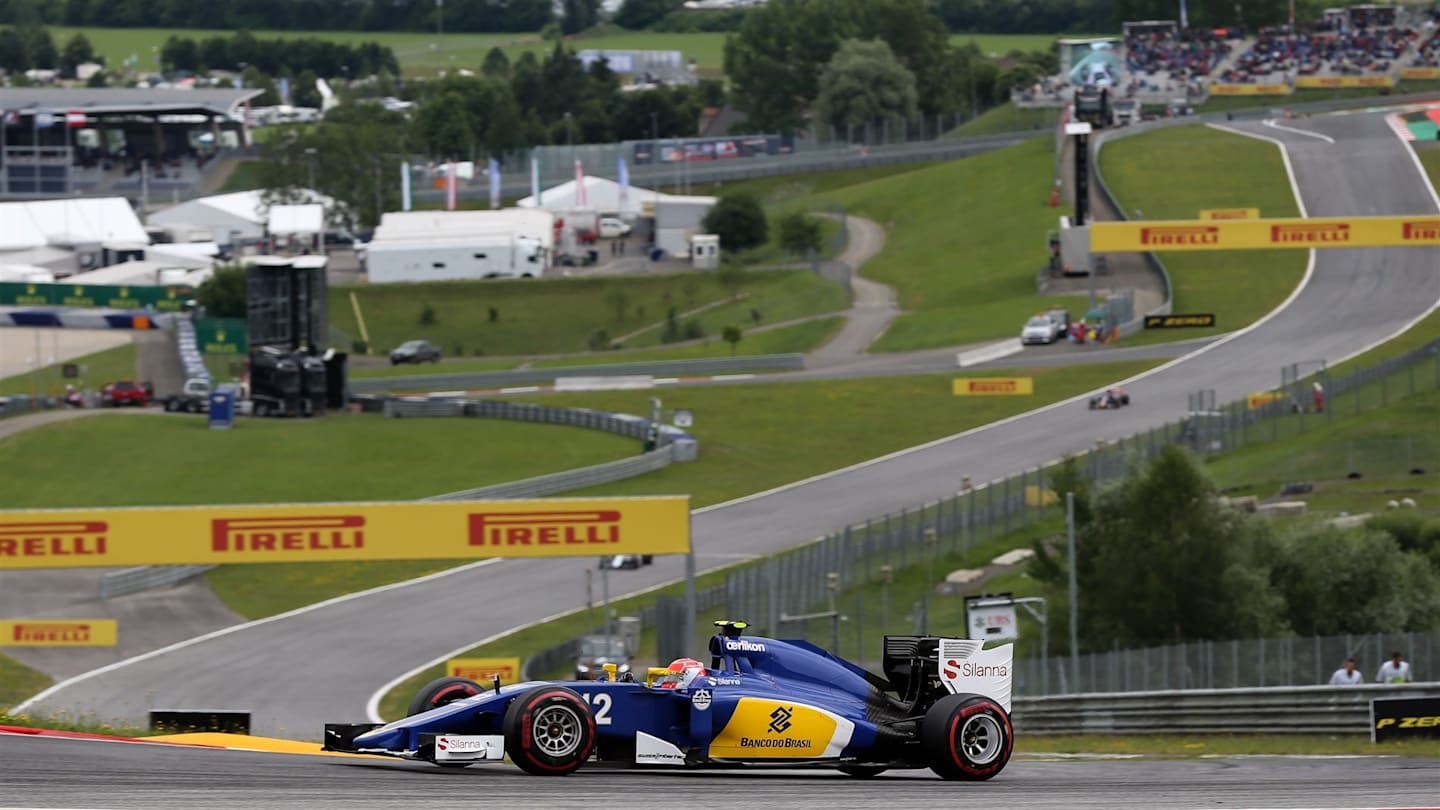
[[441, 691], [549, 731], [966, 737]]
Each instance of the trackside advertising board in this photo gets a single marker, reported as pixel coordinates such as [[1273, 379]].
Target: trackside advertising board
[[1253, 234], [59, 633], [1402, 718], [199, 535], [483, 670], [993, 386]]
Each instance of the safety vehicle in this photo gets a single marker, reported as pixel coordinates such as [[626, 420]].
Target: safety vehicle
[[942, 704]]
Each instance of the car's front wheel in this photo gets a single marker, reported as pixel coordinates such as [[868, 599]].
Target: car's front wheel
[[966, 737], [440, 692], [549, 731]]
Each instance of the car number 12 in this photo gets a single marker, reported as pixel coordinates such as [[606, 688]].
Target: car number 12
[[601, 703]]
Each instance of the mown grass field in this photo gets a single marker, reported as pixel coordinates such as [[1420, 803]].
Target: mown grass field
[[336, 458], [559, 315], [1008, 118], [964, 241], [18, 682], [1172, 174], [424, 52], [100, 368]]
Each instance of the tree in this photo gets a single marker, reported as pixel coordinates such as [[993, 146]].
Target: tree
[[77, 51], [799, 234], [253, 78], [731, 335], [639, 14], [1163, 562], [579, 15], [223, 294], [774, 61], [41, 49], [356, 156], [864, 82], [739, 221], [496, 64], [304, 90]]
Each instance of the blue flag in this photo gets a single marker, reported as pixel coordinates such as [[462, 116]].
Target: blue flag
[[624, 175], [494, 183]]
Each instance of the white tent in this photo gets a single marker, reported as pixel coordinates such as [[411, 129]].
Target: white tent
[[67, 222], [601, 195], [242, 212]]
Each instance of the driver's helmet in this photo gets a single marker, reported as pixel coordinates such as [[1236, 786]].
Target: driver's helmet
[[682, 672]]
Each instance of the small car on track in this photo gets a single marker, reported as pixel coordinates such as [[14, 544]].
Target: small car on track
[[942, 704]]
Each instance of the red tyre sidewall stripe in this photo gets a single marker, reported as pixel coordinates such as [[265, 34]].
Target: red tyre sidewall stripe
[[435, 699], [979, 708], [527, 728]]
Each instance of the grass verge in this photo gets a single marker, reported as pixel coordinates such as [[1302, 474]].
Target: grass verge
[[560, 315], [1170, 174], [964, 242], [17, 683], [100, 367]]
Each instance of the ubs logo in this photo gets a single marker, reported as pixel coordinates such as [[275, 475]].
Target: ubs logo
[[780, 719]]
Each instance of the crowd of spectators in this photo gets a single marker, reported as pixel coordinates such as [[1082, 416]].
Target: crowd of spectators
[[1179, 56], [1278, 54], [1427, 53]]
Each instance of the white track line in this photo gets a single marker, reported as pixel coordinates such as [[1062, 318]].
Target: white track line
[[235, 628], [1270, 122]]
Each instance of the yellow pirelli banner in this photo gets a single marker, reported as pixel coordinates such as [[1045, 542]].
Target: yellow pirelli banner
[[1253, 234], [1420, 73], [1259, 399], [484, 670], [1250, 90], [59, 633], [414, 530], [1230, 213], [1330, 82], [993, 386]]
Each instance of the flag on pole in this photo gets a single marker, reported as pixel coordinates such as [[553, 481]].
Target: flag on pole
[[494, 183], [284, 90], [44, 120], [624, 177], [1184, 16], [535, 179], [405, 186], [452, 183], [580, 200], [75, 118]]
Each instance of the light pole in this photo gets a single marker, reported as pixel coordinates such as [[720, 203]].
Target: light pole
[[310, 165], [439, 18], [1074, 603]]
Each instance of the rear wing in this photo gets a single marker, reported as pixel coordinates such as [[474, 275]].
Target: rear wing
[[963, 666]]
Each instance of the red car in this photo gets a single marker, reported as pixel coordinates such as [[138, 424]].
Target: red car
[[124, 392]]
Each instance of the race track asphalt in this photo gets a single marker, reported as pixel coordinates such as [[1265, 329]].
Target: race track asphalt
[[123, 776], [323, 665]]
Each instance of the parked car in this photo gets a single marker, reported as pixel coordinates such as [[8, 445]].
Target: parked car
[[415, 351], [597, 651], [194, 398], [1039, 329], [585, 236], [124, 392], [613, 228]]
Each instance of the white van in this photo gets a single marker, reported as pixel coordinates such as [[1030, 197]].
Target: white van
[[613, 228]]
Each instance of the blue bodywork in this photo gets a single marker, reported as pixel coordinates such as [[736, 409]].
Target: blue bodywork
[[767, 701]]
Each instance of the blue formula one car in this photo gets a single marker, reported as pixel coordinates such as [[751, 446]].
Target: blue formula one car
[[942, 704]]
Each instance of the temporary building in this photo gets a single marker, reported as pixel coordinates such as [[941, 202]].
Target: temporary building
[[601, 195], [68, 222], [405, 226], [240, 215], [285, 220]]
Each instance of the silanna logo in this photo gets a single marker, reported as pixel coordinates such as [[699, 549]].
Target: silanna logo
[[955, 669], [780, 719], [313, 533], [600, 526], [69, 538]]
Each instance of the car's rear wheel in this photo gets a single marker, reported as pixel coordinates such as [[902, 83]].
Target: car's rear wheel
[[440, 692], [966, 737], [192, 407], [549, 731], [171, 406]]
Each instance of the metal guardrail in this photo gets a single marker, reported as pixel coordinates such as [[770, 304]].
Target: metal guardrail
[[535, 376], [673, 445], [1272, 710], [143, 578]]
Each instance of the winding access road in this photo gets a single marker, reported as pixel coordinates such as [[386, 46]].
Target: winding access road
[[325, 662]]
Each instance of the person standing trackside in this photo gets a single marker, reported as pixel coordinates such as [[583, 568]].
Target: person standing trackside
[[1347, 675], [1396, 670]]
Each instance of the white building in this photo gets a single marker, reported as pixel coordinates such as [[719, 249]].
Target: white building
[[460, 245], [677, 219], [241, 216], [601, 196], [66, 235]]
